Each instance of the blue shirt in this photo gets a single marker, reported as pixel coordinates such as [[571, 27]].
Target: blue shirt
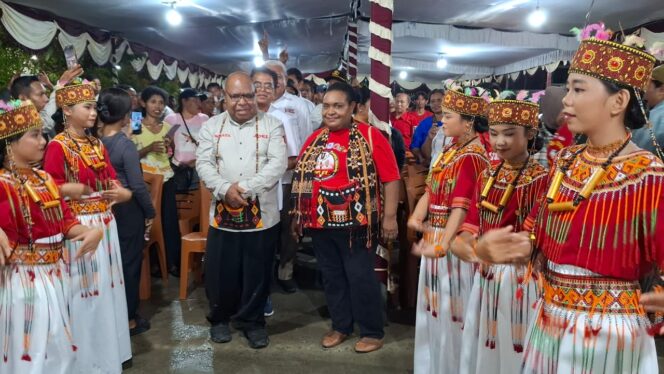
[[642, 136], [421, 132]]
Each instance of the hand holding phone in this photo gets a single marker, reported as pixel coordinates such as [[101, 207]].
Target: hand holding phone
[[70, 56], [136, 123]]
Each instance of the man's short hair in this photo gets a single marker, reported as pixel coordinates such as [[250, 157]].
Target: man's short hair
[[213, 85], [436, 91], [264, 70], [421, 93], [275, 63], [21, 86], [296, 72]]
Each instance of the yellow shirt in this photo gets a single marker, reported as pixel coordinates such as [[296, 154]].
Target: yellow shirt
[[154, 162]]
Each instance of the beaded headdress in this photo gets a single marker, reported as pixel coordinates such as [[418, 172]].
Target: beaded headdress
[[471, 101], [79, 91], [610, 61], [517, 112], [17, 116]]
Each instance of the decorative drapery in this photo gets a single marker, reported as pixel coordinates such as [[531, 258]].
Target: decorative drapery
[[38, 34]]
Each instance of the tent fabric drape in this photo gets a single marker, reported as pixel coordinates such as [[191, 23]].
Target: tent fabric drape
[[39, 34]]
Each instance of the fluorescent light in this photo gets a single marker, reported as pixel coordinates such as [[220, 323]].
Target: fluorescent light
[[537, 18], [403, 75], [173, 17], [258, 61], [441, 63]]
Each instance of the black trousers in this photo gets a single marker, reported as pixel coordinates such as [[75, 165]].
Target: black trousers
[[351, 288], [170, 226], [131, 230], [238, 273], [287, 246]]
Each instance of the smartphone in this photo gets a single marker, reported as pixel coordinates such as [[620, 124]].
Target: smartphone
[[70, 56], [136, 123]]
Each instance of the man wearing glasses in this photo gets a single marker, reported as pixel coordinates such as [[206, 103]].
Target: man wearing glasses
[[294, 108], [240, 158]]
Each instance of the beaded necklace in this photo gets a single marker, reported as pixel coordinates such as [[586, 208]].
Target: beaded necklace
[[589, 186], [449, 157], [508, 191], [95, 146]]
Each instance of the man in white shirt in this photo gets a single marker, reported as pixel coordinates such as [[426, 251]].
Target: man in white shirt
[[265, 81], [296, 109], [240, 157], [293, 106]]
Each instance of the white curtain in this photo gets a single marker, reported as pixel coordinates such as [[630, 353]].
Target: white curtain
[[99, 52], [27, 31], [183, 75], [171, 70]]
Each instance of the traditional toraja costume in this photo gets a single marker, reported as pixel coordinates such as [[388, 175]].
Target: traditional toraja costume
[[337, 196], [502, 300], [597, 231], [34, 283], [98, 303], [444, 283]]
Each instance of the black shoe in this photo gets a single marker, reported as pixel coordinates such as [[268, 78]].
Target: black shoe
[[220, 333], [142, 325], [127, 364], [257, 338], [288, 285]]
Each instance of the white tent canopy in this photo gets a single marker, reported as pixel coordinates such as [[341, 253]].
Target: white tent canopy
[[478, 38]]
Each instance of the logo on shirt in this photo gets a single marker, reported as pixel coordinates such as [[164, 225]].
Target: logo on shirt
[[327, 165]]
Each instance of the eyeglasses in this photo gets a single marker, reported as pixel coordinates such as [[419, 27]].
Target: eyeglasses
[[264, 86], [237, 97]]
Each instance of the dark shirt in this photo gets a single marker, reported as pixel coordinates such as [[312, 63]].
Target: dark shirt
[[399, 148], [127, 165]]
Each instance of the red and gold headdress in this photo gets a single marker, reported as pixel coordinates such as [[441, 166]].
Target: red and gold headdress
[[74, 93], [18, 116], [469, 103], [610, 61], [522, 111]]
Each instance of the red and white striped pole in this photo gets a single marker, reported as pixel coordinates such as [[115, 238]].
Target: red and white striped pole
[[380, 53], [352, 40]]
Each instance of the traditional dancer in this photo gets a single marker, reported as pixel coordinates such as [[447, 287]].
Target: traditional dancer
[[34, 283], [597, 227], [81, 167], [501, 301], [445, 282]]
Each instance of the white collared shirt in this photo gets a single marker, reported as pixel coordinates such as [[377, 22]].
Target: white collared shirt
[[236, 147], [295, 107]]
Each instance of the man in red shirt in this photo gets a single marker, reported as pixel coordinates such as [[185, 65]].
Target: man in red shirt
[[421, 111], [336, 196], [403, 120]]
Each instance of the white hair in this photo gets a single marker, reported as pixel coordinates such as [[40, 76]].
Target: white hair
[[276, 64]]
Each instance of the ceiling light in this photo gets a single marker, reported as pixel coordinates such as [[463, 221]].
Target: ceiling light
[[441, 63], [403, 75], [117, 67], [537, 18], [173, 17], [258, 61], [34, 58]]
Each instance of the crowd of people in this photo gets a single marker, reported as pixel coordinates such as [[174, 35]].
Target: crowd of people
[[535, 213]]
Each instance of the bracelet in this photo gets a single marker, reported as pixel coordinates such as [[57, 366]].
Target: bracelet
[[439, 250]]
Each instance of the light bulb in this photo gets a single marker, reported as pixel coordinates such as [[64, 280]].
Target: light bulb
[[258, 61], [34, 58], [537, 18], [173, 17], [117, 67], [441, 63], [403, 75]]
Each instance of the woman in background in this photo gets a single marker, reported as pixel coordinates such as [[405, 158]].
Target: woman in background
[[135, 216]]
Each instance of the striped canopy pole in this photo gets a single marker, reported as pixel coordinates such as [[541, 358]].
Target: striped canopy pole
[[352, 40], [380, 53]]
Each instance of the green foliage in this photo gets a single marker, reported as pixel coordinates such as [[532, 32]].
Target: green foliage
[[15, 59]]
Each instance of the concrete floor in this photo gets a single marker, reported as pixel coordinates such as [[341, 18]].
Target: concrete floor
[[179, 340]]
